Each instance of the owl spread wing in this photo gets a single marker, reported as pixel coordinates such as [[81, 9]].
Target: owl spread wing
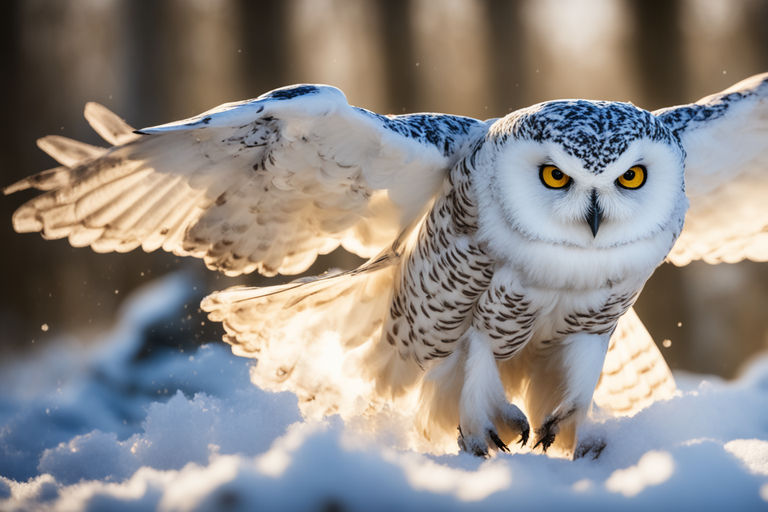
[[265, 184], [634, 373], [725, 137]]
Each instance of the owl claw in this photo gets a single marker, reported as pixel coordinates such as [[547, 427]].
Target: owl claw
[[545, 435], [479, 445], [471, 445], [517, 423], [478, 438], [524, 435], [501, 445], [589, 446], [545, 440]]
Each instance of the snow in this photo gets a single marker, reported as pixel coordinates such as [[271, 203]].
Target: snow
[[95, 428]]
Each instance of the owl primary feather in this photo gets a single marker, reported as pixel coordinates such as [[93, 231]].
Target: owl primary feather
[[504, 255]]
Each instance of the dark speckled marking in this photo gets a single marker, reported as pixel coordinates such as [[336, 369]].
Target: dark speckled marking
[[440, 279], [287, 93], [595, 132], [507, 318], [598, 321], [445, 132], [679, 119]]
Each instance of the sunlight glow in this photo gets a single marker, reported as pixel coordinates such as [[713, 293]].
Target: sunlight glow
[[653, 468], [279, 457], [583, 485], [193, 483], [425, 474], [586, 32], [752, 452]]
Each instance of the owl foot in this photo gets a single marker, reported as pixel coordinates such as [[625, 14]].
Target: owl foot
[[515, 420], [511, 422], [545, 435], [479, 447], [485, 415], [589, 447]]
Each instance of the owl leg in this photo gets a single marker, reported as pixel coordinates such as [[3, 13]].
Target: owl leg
[[562, 384], [483, 407]]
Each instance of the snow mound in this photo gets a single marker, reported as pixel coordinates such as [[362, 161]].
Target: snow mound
[[100, 429]]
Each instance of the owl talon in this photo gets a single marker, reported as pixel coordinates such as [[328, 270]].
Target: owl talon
[[501, 445], [511, 424], [524, 435], [589, 446], [478, 446], [473, 445], [545, 440], [545, 435], [517, 423]]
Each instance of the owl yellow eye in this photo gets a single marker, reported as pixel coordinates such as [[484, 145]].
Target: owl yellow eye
[[633, 178], [553, 177]]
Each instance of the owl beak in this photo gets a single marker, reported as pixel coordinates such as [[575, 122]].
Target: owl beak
[[594, 214]]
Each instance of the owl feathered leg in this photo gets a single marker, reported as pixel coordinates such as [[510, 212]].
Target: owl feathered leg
[[484, 411], [562, 379]]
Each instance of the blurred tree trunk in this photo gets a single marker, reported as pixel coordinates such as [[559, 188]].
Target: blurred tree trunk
[[399, 61], [757, 28], [263, 26], [660, 73], [507, 66], [10, 39], [658, 51], [11, 323], [148, 66]]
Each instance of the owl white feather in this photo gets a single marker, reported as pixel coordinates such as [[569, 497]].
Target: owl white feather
[[505, 255]]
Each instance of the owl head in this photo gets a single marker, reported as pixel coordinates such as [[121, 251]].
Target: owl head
[[586, 173]]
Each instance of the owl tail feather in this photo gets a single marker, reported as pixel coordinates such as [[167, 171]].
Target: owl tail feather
[[320, 338]]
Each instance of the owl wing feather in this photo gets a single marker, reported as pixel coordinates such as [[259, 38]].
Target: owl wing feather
[[725, 137], [265, 184], [634, 373], [317, 337]]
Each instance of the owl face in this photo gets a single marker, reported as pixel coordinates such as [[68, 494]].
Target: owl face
[[587, 174]]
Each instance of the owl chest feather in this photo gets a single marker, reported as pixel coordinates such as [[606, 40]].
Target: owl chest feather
[[448, 282]]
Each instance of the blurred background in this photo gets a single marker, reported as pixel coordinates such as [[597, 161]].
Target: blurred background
[[154, 61]]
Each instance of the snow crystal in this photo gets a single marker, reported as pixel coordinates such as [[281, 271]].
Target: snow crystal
[[98, 429]]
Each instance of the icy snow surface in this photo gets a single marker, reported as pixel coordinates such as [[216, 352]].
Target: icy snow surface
[[98, 429]]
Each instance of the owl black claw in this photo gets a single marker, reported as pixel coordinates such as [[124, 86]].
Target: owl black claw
[[545, 435], [524, 436], [501, 445], [474, 448], [545, 440], [478, 445], [589, 446]]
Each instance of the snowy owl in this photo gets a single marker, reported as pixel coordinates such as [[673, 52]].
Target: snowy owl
[[504, 255]]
